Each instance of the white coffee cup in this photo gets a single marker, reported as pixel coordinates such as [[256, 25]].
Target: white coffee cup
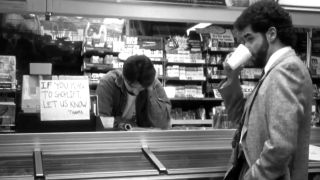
[[107, 122], [239, 57]]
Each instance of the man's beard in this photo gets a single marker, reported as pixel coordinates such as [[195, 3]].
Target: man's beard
[[260, 59]]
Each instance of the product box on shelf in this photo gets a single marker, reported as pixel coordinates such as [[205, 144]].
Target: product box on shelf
[[159, 69], [315, 91], [103, 35], [315, 118], [7, 72], [197, 114], [187, 91], [212, 90], [247, 87], [220, 118], [30, 99], [176, 45], [315, 65], [215, 59], [40, 68], [251, 73], [94, 78], [217, 38], [194, 42], [149, 46], [173, 71], [215, 73], [150, 42], [7, 116]]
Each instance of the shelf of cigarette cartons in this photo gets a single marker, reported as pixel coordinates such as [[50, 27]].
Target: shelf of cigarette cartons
[[96, 66], [98, 59], [8, 91], [314, 68], [187, 77], [184, 79], [196, 74], [184, 71]]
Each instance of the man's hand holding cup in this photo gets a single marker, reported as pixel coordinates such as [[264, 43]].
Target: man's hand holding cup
[[234, 61]]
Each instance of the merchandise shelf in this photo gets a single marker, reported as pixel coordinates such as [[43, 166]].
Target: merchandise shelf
[[191, 122], [98, 51], [97, 67], [178, 79], [184, 63], [196, 99], [220, 50]]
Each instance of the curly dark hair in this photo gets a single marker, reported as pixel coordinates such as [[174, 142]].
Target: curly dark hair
[[265, 14], [139, 68]]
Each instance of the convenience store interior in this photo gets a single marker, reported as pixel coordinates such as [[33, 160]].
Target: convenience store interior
[[76, 38]]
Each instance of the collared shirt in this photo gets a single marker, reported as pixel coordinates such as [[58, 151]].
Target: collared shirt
[[275, 56], [130, 109]]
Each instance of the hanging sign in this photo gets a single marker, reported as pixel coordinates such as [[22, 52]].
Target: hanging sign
[[64, 100]]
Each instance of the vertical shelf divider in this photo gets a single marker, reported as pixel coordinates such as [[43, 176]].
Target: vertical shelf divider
[[38, 165], [153, 158]]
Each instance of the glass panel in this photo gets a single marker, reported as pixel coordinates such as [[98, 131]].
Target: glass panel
[[236, 3], [95, 165], [17, 166], [200, 161], [187, 2], [188, 61]]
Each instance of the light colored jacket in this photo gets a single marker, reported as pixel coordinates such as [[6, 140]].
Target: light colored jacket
[[276, 130]]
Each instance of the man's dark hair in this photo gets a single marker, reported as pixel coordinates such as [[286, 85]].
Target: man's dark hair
[[264, 14], [139, 68]]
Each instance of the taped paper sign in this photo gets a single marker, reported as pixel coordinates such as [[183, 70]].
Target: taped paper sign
[[64, 100]]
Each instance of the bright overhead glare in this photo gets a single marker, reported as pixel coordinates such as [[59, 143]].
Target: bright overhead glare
[[304, 3], [198, 26]]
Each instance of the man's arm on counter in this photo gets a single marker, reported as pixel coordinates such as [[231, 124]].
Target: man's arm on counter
[[105, 101], [159, 106]]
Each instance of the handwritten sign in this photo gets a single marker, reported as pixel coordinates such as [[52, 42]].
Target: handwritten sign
[[64, 100]]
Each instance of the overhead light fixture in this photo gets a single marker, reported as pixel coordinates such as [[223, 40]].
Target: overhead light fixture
[[198, 26]]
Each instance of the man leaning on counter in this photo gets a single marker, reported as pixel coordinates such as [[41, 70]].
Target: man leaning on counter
[[133, 97]]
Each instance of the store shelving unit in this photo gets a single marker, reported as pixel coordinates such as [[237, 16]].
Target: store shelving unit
[[205, 122], [197, 99], [186, 63], [8, 93], [191, 103], [87, 66], [94, 71]]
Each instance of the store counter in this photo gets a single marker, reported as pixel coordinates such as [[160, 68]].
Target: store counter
[[120, 155]]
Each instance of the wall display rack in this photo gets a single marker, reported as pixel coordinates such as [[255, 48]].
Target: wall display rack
[[8, 90], [99, 60]]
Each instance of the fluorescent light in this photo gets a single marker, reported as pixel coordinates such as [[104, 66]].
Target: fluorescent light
[[198, 26], [304, 3]]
